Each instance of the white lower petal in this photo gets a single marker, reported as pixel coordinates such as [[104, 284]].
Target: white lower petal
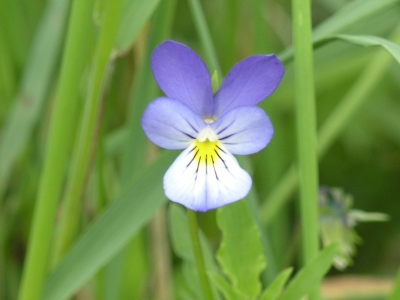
[[206, 176]]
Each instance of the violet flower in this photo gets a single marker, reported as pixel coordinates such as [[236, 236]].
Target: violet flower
[[209, 127]]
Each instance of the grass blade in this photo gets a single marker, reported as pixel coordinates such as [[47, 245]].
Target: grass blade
[[34, 86], [310, 275], [135, 14], [111, 231]]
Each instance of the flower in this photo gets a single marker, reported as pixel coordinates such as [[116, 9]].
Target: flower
[[337, 220], [209, 127]]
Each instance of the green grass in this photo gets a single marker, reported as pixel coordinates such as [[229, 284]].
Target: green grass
[[80, 182]]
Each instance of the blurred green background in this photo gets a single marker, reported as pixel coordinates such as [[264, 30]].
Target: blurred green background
[[364, 159]]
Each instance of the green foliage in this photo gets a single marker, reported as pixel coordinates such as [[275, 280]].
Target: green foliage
[[308, 277], [74, 82], [135, 205], [34, 86], [275, 289], [134, 16], [180, 239], [240, 254], [395, 294]]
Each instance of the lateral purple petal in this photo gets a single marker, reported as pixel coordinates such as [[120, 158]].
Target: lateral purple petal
[[170, 124], [182, 75], [244, 130], [248, 82]]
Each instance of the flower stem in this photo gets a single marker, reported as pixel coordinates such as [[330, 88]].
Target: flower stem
[[198, 255], [306, 129]]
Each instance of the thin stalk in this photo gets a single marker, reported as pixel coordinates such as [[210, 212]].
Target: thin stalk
[[160, 257], [333, 126], [82, 159], [56, 152], [198, 255], [205, 36], [306, 130]]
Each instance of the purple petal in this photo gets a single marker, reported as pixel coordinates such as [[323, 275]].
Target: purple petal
[[248, 82], [170, 124], [244, 130], [182, 75]]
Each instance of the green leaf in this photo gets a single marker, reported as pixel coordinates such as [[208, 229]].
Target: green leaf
[[240, 253], [309, 276], [276, 287], [367, 40], [134, 16], [111, 231], [180, 239], [224, 287], [346, 17], [350, 14], [28, 104]]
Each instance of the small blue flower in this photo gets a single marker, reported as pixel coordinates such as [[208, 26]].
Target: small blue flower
[[209, 127]]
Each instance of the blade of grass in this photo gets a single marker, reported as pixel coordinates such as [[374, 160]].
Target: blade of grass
[[306, 130], [8, 76], [349, 15], [204, 35], [133, 271], [309, 276], [134, 16], [87, 140], [274, 290], [332, 127], [259, 26], [34, 86], [144, 90], [15, 29], [366, 41], [58, 144], [111, 231]]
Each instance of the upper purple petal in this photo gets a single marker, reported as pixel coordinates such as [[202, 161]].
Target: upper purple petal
[[244, 130], [248, 82], [170, 124], [182, 75]]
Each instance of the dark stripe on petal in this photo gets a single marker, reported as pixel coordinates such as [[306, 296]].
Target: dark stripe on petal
[[193, 157], [220, 149]]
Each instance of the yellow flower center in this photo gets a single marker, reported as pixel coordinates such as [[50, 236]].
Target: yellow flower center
[[206, 152]]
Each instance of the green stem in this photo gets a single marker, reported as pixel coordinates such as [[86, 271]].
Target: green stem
[[333, 126], [86, 144], [205, 36], [306, 130], [56, 153], [198, 255]]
